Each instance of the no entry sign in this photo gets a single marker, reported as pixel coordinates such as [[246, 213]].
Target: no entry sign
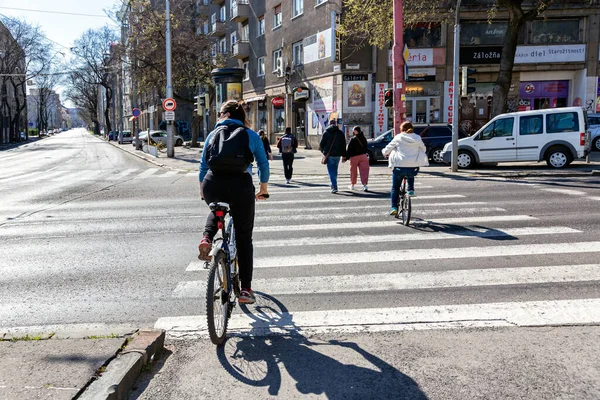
[[169, 104]]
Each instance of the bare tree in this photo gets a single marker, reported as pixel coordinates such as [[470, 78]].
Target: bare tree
[[83, 92], [92, 54]]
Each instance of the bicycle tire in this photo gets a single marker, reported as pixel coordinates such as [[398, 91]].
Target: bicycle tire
[[405, 203], [217, 299]]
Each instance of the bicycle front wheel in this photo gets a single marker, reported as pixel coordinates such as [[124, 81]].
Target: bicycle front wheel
[[217, 299], [405, 203]]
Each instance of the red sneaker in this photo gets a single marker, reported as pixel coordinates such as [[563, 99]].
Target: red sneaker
[[247, 297], [204, 249]]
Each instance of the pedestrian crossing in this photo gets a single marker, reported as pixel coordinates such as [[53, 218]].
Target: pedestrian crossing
[[327, 263]]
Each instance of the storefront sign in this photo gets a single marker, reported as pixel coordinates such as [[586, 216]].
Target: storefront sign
[[317, 47], [322, 94], [336, 52], [448, 101], [544, 89], [421, 57], [524, 54], [278, 101], [357, 93], [424, 89], [381, 112], [301, 94], [421, 75]]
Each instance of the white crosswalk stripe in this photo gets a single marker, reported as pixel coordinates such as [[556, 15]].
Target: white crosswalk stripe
[[298, 230]]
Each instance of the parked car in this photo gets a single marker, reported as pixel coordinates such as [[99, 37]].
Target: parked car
[[161, 136], [143, 138], [435, 137], [557, 135], [594, 124], [125, 137], [112, 135]]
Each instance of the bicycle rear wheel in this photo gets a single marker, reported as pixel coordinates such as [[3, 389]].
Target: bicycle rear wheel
[[405, 203], [217, 299]]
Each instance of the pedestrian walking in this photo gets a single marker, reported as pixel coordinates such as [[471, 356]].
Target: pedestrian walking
[[287, 145], [359, 162], [333, 147], [266, 144], [406, 153]]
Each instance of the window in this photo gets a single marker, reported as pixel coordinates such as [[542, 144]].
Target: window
[[276, 57], [261, 25], [246, 71], [554, 31], [245, 34], [298, 8], [562, 122], [317, 2], [213, 49], [298, 54], [222, 14], [484, 33], [423, 35], [261, 66], [277, 17], [233, 7], [223, 46], [531, 125], [213, 19], [499, 128], [233, 38], [205, 28]]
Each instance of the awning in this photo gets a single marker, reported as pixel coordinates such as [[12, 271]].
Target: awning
[[255, 98]]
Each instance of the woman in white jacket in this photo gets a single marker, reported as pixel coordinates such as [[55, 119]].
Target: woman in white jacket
[[406, 153]]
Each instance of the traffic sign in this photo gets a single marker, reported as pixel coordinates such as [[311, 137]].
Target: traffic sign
[[169, 115], [136, 112], [169, 104]]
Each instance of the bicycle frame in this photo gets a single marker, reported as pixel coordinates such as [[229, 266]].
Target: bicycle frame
[[227, 245]]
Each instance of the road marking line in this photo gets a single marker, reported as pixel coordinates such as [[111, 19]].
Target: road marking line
[[393, 223], [147, 173], [528, 313], [389, 256], [78, 176], [337, 199], [121, 175], [346, 216], [410, 280], [167, 174], [297, 210], [565, 191], [358, 189]]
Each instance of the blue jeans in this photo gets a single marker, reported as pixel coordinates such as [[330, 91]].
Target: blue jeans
[[397, 174], [332, 169]]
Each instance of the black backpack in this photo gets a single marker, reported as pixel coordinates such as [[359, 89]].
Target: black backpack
[[229, 151]]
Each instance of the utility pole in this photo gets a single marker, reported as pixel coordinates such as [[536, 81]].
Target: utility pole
[[170, 145], [399, 85], [455, 95]]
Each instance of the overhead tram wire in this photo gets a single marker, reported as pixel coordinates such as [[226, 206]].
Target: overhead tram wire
[[55, 12]]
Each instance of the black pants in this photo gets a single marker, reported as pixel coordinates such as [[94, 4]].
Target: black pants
[[288, 160], [238, 191]]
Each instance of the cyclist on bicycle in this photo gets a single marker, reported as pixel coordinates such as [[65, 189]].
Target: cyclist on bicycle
[[225, 175], [406, 153]]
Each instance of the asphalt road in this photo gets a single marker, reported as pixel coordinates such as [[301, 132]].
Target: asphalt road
[[90, 234]]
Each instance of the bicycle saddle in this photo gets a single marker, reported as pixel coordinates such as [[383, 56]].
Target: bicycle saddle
[[219, 206]]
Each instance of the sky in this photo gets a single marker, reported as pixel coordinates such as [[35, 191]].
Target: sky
[[61, 28]]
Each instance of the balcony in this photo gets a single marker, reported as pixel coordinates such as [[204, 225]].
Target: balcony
[[219, 28], [241, 12], [203, 8], [240, 50]]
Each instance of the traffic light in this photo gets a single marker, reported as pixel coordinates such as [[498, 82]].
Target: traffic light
[[388, 97], [199, 104], [465, 89]]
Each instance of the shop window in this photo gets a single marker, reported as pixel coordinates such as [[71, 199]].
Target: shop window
[[531, 125], [423, 35], [562, 122], [278, 119], [554, 31], [484, 33]]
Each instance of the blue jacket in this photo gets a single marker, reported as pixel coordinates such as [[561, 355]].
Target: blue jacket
[[256, 147]]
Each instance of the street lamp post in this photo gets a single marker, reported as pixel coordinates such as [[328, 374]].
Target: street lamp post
[[455, 94], [170, 146]]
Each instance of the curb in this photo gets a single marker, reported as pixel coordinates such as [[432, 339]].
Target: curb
[[121, 373]]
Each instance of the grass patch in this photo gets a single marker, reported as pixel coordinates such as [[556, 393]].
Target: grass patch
[[111, 336], [26, 338]]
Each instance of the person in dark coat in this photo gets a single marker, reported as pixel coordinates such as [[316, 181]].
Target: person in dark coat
[[357, 154], [266, 144], [333, 147], [287, 145]]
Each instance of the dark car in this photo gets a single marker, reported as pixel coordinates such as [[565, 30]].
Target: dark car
[[435, 136]]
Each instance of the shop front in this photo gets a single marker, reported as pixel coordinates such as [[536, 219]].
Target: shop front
[[423, 100], [536, 95]]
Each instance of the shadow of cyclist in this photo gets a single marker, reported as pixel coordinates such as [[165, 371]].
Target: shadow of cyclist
[[258, 360]]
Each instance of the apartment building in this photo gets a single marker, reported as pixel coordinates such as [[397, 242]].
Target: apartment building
[[299, 74], [13, 106]]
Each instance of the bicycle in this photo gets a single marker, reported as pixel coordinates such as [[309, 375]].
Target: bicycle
[[223, 286], [404, 202]]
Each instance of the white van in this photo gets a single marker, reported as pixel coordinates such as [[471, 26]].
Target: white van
[[557, 135]]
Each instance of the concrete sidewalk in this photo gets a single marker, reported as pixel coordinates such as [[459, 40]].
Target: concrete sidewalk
[[83, 362], [308, 162]]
